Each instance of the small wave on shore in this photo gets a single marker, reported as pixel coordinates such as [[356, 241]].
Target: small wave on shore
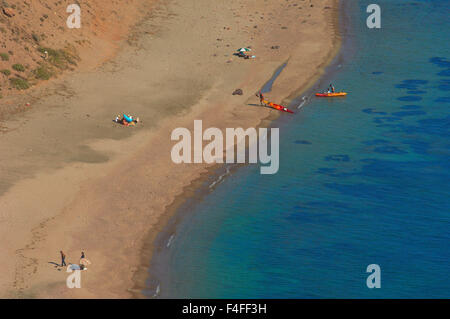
[[169, 242], [220, 178], [304, 99]]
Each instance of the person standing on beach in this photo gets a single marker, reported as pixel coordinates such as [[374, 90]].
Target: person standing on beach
[[84, 261], [63, 258], [261, 97]]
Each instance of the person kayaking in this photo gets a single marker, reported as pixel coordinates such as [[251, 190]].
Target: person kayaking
[[331, 88]]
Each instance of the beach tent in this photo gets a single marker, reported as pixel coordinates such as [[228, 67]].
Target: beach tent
[[244, 50]]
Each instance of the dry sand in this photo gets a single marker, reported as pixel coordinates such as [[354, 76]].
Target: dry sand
[[73, 180]]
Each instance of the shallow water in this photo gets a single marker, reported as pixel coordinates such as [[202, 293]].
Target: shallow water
[[362, 180]]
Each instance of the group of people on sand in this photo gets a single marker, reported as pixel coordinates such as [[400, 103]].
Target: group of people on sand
[[243, 55], [126, 120], [80, 266]]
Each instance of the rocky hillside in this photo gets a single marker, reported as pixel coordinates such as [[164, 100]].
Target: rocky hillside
[[36, 44]]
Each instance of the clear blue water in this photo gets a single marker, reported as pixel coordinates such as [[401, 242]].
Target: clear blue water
[[362, 180]]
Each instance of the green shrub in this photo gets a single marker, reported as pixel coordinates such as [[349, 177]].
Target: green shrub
[[6, 72], [4, 56], [42, 73], [18, 67], [19, 83], [59, 58]]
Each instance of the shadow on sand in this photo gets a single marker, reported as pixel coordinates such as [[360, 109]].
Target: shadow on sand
[[56, 265], [259, 105]]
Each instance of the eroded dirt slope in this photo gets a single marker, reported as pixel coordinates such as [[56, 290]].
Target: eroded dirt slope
[[28, 28]]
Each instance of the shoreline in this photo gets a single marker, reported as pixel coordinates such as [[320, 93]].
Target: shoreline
[[89, 213], [155, 250]]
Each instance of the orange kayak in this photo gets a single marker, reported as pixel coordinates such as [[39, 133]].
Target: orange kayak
[[331, 94], [277, 107]]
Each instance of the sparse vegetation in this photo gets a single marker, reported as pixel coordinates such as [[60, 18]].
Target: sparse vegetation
[[20, 84], [4, 56], [5, 72], [18, 67], [59, 58], [42, 73], [29, 28]]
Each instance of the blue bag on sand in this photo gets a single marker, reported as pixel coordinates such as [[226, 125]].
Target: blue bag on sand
[[128, 119]]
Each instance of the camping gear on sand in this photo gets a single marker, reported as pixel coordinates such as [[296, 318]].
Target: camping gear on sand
[[129, 119], [126, 120], [238, 92]]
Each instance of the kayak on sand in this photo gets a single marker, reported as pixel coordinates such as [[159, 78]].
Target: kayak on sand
[[331, 94], [277, 107]]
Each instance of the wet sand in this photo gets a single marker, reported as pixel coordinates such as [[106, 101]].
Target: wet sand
[[73, 180]]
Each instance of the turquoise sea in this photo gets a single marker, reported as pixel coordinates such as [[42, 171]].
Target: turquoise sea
[[363, 180]]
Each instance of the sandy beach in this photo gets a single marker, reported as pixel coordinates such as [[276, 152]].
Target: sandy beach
[[73, 180]]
